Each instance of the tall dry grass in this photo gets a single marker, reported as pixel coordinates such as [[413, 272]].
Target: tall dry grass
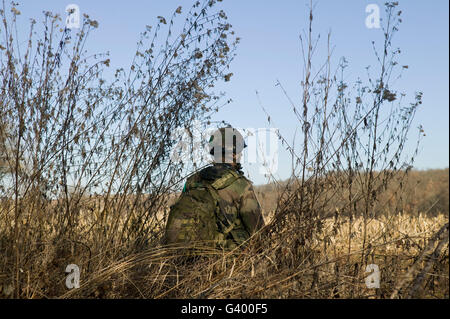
[[70, 129], [272, 265], [87, 176]]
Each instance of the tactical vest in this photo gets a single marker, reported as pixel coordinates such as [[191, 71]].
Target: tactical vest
[[198, 216]]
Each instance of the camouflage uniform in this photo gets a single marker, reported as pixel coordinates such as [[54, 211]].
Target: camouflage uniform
[[217, 207]]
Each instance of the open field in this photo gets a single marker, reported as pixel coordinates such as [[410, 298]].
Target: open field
[[329, 264], [91, 159]]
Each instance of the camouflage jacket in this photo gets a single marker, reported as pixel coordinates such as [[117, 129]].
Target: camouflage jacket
[[217, 207]]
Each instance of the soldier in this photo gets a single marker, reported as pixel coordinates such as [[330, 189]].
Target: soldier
[[218, 206]]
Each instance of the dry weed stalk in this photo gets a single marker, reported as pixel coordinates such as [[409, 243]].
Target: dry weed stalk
[[87, 174]]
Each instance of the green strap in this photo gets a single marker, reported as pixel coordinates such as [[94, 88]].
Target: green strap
[[222, 216], [226, 180]]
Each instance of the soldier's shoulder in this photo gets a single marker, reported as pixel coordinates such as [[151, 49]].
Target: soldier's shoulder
[[205, 176], [248, 181], [213, 172], [220, 176]]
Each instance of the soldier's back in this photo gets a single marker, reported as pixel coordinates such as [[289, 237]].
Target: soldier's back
[[217, 206]]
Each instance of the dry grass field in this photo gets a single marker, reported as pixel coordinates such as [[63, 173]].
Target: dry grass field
[[412, 260], [88, 172]]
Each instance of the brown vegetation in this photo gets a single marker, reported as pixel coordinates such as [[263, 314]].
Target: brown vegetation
[[85, 173]]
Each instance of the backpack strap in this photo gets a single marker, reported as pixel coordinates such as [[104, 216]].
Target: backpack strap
[[226, 180]]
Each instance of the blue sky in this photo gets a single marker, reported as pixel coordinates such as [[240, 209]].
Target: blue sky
[[270, 51]]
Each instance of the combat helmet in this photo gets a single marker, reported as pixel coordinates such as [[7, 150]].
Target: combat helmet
[[230, 141]]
